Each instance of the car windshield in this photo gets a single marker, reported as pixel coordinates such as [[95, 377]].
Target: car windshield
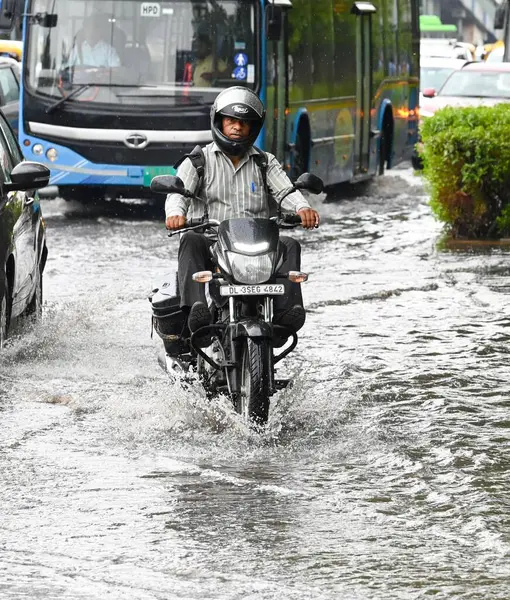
[[477, 84], [433, 77], [133, 52]]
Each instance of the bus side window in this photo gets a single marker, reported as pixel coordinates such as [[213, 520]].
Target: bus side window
[[390, 37], [322, 50], [300, 51], [405, 37], [344, 77]]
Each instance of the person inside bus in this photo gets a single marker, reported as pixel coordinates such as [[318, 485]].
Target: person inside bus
[[232, 186], [93, 45], [207, 67]]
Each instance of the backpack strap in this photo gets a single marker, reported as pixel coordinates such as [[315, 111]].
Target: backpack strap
[[197, 159], [262, 162]]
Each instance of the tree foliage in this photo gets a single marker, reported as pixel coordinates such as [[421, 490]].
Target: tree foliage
[[466, 154]]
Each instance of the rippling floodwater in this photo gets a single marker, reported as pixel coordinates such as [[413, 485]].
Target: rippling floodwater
[[384, 472]]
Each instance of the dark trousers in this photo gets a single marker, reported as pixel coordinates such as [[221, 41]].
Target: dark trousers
[[194, 255]]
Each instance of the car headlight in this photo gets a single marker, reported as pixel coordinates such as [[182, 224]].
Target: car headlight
[[251, 269], [38, 149], [52, 154]]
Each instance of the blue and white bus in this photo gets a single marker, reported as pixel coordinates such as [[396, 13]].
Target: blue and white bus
[[116, 91]]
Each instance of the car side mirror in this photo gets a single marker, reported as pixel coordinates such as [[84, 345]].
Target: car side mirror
[[309, 182], [28, 175], [429, 93], [168, 184]]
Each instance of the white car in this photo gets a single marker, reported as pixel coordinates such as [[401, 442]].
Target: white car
[[445, 48], [435, 71]]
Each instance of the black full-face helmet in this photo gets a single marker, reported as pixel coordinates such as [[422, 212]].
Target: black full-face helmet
[[240, 103]]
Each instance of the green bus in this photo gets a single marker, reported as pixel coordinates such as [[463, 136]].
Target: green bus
[[347, 80]]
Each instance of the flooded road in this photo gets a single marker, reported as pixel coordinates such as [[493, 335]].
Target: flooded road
[[383, 473]]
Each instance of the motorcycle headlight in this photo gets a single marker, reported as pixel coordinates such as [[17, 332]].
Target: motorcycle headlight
[[251, 269]]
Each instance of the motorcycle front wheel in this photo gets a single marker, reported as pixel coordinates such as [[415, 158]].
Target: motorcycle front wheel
[[253, 401]]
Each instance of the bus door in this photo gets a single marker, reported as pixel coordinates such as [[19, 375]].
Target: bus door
[[364, 139]]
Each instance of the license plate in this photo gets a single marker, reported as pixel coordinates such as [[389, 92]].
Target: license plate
[[267, 289], [150, 172]]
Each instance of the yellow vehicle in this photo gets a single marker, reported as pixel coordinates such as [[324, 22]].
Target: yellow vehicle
[[13, 48], [495, 52]]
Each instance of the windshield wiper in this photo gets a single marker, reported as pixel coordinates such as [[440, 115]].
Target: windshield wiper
[[61, 101], [182, 100]]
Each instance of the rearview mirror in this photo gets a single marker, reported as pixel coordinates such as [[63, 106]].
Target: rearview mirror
[[429, 93], [28, 175], [168, 184], [309, 182]]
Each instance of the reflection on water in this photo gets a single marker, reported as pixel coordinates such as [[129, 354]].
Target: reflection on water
[[383, 472]]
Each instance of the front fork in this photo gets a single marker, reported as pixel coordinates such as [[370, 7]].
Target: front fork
[[241, 328]]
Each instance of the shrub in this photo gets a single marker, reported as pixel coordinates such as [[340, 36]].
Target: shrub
[[466, 154]]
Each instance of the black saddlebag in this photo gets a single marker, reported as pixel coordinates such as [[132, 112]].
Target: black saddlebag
[[168, 320]]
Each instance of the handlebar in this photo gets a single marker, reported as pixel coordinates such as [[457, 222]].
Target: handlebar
[[195, 223], [286, 221], [292, 219]]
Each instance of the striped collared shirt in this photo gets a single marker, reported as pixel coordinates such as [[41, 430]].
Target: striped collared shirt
[[232, 192]]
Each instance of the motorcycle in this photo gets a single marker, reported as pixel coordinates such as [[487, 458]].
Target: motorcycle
[[240, 359]]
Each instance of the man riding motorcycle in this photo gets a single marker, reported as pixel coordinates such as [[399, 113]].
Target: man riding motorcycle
[[233, 185]]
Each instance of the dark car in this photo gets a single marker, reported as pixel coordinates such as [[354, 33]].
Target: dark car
[[23, 249], [9, 91]]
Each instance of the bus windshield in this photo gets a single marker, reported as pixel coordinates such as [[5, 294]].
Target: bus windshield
[[132, 52]]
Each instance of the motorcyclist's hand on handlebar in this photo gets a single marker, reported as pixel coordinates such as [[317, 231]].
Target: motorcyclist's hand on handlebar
[[175, 222], [309, 218]]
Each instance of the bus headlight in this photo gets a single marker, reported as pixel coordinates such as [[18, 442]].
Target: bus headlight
[[52, 154], [38, 149]]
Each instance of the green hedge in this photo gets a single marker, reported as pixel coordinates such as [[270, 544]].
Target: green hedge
[[466, 154]]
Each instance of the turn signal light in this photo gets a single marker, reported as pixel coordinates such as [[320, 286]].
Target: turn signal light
[[202, 276], [298, 276]]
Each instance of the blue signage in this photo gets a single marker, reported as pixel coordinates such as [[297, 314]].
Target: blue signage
[[240, 73], [240, 59]]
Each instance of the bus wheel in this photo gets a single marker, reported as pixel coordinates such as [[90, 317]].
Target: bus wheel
[[383, 144], [300, 155]]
